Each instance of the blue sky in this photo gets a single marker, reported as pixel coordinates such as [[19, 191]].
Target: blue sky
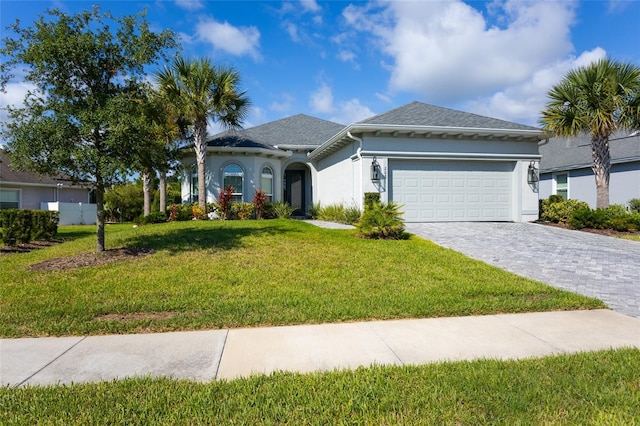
[[345, 61]]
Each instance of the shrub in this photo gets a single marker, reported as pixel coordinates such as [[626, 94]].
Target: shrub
[[224, 202], [339, 213], [259, 200], [314, 210], [370, 198], [242, 211], [153, 217], [280, 210], [560, 211], [382, 221], [23, 226], [198, 213], [634, 205]]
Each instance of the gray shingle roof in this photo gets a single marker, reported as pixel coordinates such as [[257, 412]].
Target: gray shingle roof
[[421, 114], [8, 174], [563, 153], [299, 130]]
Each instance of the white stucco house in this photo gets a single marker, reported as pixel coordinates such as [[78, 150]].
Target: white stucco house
[[439, 164], [565, 169]]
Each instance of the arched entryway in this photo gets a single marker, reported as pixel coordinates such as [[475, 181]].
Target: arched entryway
[[297, 188]]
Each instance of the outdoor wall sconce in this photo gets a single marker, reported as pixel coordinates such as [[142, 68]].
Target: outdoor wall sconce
[[375, 171], [532, 174]]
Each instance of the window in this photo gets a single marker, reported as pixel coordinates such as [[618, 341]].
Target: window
[[194, 187], [562, 185], [9, 199], [266, 183], [234, 176]]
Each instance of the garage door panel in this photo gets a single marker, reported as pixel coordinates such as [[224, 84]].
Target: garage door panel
[[452, 190]]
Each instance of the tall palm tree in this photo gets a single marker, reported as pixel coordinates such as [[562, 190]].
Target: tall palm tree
[[598, 99], [202, 91]]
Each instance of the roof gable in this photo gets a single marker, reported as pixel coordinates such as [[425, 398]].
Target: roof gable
[[296, 131], [421, 114]]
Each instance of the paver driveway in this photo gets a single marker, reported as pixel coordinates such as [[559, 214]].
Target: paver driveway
[[592, 265]]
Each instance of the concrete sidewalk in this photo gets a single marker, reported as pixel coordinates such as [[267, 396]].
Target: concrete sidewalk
[[228, 354]]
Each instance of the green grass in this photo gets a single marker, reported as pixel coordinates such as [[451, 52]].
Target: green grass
[[631, 237], [586, 389], [214, 274]]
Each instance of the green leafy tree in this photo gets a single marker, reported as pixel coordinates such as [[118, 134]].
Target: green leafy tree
[[87, 69], [202, 92], [598, 99]]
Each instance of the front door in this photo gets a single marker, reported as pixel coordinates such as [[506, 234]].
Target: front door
[[294, 191]]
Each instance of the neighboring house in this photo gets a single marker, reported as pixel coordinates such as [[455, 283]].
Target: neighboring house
[[439, 164], [24, 190], [565, 169]]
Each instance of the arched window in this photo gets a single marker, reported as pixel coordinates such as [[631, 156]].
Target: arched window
[[234, 176], [266, 183]]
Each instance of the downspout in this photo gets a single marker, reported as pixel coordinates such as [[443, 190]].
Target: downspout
[[359, 155]]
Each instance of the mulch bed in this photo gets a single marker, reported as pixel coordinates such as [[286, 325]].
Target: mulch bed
[[92, 259]]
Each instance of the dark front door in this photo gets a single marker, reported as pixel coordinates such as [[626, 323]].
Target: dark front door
[[294, 191]]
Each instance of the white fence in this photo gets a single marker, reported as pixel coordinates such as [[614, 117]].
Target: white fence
[[73, 213]]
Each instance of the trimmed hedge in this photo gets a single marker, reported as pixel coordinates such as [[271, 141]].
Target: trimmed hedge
[[23, 226]]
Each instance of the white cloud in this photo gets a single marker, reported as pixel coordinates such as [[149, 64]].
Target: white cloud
[[523, 103], [351, 111], [14, 95], [310, 6], [190, 5], [237, 41], [292, 30], [322, 100], [284, 104], [450, 52]]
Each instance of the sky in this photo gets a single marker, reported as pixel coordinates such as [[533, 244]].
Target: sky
[[347, 61]]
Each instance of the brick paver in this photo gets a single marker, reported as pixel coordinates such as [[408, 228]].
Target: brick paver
[[589, 264]]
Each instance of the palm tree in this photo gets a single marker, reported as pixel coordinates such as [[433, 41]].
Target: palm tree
[[598, 99], [202, 91]]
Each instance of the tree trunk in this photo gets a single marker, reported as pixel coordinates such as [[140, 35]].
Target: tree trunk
[[163, 191], [146, 190], [200, 141], [100, 247], [601, 168]]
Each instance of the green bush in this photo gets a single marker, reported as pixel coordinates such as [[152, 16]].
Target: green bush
[[382, 221], [242, 211], [314, 210], [153, 217], [634, 205], [338, 213], [23, 226], [279, 210], [560, 211], [371, 197], [613, 217]]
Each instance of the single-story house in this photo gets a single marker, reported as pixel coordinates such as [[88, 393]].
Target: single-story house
[[439, 164], [24, 190], [565, 168]]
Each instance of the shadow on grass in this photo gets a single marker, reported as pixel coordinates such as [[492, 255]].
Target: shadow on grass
[[202, 238], [74, 233]]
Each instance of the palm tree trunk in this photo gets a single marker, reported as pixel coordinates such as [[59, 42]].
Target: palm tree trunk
[[146, 190], [601, 168], [200, 141], [163, 191]]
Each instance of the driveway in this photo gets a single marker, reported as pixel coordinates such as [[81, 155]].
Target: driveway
[[593, 265]]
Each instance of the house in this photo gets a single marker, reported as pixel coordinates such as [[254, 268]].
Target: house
[[439, 164], [24, 190], [565, 168]]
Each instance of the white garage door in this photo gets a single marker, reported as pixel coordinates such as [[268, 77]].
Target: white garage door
[[438, 191]]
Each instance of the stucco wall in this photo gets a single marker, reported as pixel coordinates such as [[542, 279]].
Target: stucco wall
[[624, 184], [32, 196]]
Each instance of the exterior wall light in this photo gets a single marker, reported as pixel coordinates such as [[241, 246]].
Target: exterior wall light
[[375, 171], [532, 174]]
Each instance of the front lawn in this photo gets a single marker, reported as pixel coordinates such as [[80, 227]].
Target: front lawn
[[582, 389], [215, 274]]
